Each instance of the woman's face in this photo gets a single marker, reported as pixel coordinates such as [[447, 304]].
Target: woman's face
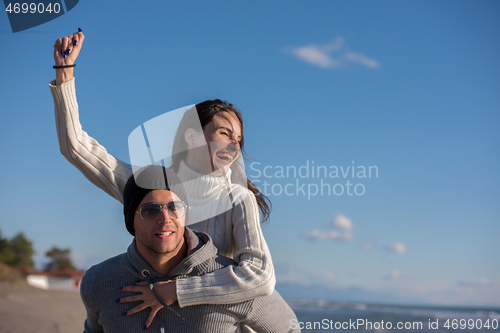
[[222, 136]]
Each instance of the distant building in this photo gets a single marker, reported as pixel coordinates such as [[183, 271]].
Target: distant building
[[65, 279]]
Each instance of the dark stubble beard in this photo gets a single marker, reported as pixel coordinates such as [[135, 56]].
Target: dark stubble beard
[[152, 252], [155, 253]]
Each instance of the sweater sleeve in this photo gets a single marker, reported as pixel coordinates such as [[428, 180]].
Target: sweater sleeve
[[88, 298], [271, 314], [83, 151], [252, 277]]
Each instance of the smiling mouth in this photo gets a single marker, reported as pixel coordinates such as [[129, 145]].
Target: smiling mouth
[[164, 234], [225, 156]]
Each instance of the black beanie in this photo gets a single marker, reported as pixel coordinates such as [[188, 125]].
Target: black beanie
[[143, 181]]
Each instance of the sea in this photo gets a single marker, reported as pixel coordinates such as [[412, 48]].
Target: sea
[[323, 316]]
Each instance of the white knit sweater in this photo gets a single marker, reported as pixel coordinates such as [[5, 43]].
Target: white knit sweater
[[236, 232]]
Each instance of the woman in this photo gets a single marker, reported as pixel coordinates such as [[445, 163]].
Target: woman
[[235, 232]]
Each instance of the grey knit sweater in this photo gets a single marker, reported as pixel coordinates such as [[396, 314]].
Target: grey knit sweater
[[101, 287]]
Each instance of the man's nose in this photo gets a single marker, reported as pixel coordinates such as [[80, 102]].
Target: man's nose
[[164, 216]]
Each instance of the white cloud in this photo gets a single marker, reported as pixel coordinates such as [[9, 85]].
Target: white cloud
[[315, 56], [319, 235], [342, 230], [397, 247], [341, 222], [361, 59], [335, 54]]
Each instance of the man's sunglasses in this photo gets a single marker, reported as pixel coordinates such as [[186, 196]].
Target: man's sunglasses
[[150, 211]]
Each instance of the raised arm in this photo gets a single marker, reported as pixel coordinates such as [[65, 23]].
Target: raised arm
[[254, 275], [81, 150]]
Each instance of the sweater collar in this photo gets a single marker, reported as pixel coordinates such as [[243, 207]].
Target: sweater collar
[[200, 185]]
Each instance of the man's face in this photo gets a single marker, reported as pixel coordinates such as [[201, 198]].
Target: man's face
[[163, 236]]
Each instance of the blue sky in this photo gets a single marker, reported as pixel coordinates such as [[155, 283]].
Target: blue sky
[[409, 87]]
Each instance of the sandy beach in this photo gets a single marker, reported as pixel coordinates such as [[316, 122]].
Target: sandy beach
[[25, 309]]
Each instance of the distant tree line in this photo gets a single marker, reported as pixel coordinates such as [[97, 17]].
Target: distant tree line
[[59, 259], [18, 251]]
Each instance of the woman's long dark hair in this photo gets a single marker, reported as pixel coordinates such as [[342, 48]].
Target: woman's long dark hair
[[205, 112]]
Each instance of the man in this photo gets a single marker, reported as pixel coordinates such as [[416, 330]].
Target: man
[[164, 249]]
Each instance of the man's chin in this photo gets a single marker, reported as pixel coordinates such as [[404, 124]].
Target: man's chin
[[164, 250]]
